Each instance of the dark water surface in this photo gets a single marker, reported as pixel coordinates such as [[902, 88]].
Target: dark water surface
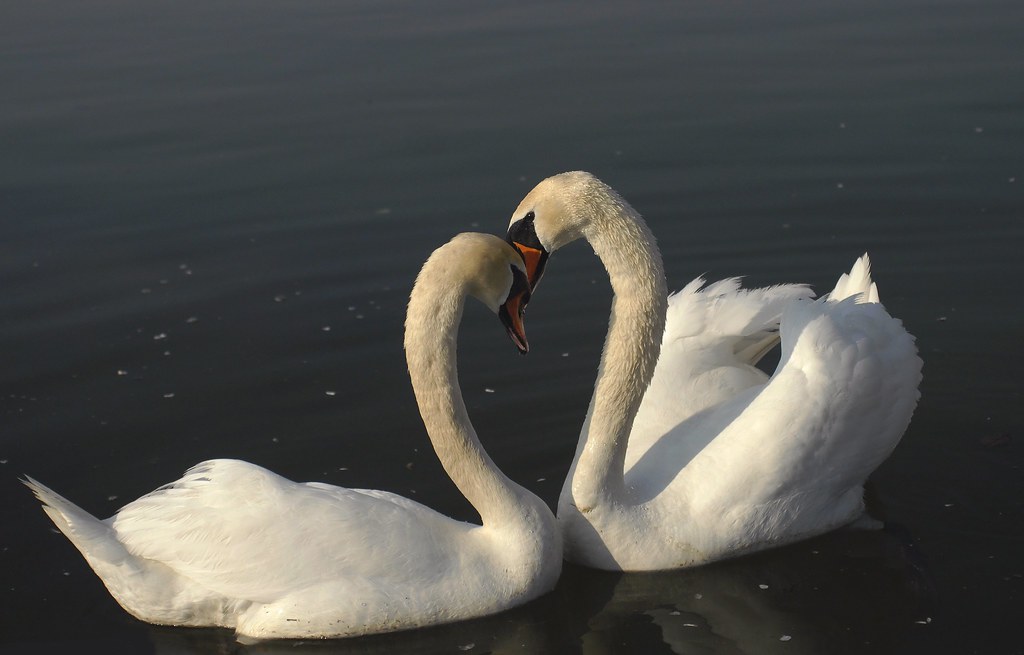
[[211, 214]]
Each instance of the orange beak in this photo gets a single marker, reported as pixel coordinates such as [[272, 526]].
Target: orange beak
[[534, 260], [511, 315]]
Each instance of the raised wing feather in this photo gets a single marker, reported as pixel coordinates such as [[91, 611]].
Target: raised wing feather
[[713, 337]]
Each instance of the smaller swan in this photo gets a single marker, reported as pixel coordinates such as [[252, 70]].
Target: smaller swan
[[688, 454], [233, 545]]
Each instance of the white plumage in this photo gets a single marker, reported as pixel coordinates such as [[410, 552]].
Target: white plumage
[[689, 453], [232, 544]]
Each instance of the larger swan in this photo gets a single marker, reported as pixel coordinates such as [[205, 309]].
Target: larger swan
[[231, 544], [717, 459]]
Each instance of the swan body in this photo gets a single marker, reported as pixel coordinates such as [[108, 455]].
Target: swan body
[[689, 453], [234, 545]]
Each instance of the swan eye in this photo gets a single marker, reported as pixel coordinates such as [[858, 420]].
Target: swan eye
[[529, 216]]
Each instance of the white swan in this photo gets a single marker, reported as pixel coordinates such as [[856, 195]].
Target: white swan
[[231, 544], [717, 460]]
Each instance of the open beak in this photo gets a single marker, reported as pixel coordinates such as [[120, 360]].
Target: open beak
[[511, 315]]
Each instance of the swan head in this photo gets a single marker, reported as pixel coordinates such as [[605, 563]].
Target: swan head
[[556, 212], [492, 272]]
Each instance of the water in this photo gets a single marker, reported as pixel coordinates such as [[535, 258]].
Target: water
[[211, 215]]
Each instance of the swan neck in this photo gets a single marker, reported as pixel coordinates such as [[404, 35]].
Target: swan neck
[[435, 310], [629, 252]]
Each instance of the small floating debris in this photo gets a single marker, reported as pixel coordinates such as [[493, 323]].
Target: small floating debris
[[326, 328], [469, 646], [488, 390], [762, 586], [191, 319], [565, 354], [280, 297], [995, 440], [674, 613], [785, 638], [925, 621], [160, 337], [169, 395], [331, 393], [121, 372], [698, 596]]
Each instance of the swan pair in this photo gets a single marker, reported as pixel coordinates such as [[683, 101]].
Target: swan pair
[[714, 460]]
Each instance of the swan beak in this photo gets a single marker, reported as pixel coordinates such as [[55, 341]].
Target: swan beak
[[511, 315], [535, 259]]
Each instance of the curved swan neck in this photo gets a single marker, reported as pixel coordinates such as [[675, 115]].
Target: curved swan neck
[[626, 247], [431, 331]]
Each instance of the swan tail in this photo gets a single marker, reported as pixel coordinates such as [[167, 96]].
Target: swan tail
[[94, 538], [147, 589], [856, 283]]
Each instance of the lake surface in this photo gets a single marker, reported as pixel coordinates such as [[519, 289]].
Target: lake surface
[[211, 215]]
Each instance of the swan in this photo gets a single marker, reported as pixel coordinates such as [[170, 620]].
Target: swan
[[234, 545], [716, 459]]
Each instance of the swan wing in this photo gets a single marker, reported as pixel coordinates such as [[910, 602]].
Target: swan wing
[[794, 454], [244, 532], [714, 335]]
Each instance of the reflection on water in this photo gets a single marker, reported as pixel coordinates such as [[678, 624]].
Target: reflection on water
[[796, 602], [854, 592]]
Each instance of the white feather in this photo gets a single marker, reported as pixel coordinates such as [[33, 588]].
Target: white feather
[[715, 458], [232, 544]]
